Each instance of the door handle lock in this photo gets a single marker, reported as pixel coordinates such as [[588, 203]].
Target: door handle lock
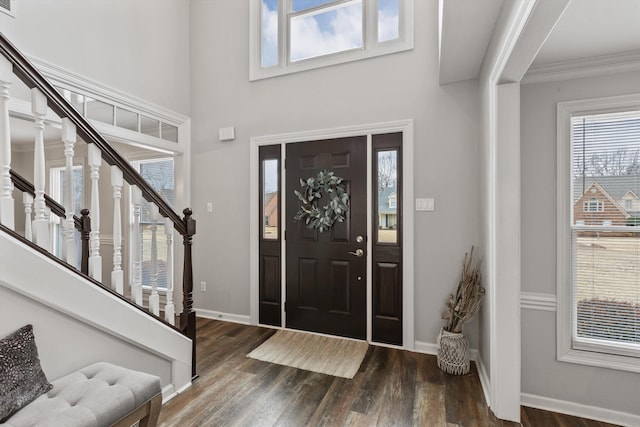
[[358, 252]]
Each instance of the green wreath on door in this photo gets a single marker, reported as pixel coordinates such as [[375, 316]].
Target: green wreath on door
[[332, 190]]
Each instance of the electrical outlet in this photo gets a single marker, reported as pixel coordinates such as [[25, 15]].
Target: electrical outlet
[[203, 286]]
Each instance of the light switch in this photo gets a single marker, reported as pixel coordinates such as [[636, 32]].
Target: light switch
[[209, 207], [425, 204]]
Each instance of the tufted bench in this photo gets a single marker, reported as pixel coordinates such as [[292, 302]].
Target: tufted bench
[[99, 395]]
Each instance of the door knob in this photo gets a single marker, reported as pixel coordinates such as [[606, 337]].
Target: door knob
[[358, 252]]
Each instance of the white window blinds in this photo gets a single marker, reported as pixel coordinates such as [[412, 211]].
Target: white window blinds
[[605, 153]]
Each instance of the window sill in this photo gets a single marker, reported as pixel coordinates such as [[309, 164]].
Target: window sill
[[601, 360], [259, 73]]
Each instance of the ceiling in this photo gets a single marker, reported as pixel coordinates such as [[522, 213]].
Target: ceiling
[[589, 33], [592, 29]]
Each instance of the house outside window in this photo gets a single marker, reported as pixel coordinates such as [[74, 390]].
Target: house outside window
[[593, 205], [295, 35], [628, 204], [598, 246], [393, 200]]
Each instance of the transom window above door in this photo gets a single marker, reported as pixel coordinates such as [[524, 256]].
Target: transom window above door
[[296, 35]]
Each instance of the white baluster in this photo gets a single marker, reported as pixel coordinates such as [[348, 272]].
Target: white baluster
[[117, 275], [154, 298], [169, 309], [136, 276], [95, 259], [69, 248], [6, 185], [27, 199], [41, 222]]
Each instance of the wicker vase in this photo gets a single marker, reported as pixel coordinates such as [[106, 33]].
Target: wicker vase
[[453, 353]]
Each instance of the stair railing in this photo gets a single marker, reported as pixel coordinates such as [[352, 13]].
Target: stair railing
[[39, 206]]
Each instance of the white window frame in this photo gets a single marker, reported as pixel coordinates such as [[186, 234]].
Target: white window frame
[[587, 352], [371, 46]]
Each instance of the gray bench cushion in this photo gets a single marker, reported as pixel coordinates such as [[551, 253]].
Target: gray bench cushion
[[98, 395]]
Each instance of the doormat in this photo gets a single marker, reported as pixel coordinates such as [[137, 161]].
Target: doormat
[[340, 357]]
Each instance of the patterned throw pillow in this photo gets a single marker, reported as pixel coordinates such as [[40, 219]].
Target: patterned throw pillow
[[21, 377]]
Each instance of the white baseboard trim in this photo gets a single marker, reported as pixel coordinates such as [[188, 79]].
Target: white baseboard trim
[[485, 382], [218, 315], [168, 393], [580, 410], [425, 347], [432, 348]]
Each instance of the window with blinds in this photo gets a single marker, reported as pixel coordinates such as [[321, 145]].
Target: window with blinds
[[605, 239]]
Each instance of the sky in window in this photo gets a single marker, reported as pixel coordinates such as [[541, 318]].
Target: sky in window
[[325, 32]]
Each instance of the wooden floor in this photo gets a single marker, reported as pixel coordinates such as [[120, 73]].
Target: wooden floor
[[392, 388]]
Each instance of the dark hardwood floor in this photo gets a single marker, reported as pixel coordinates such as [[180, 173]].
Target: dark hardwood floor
[[392, 388]]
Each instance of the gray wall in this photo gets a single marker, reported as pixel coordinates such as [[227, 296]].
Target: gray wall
[[140, 47], [541, 373], [399, 86], [122, 44]]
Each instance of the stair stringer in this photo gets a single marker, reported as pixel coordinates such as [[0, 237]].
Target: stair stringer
[[33, 276]]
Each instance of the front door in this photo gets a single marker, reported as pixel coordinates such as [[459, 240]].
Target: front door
[[326, 281]]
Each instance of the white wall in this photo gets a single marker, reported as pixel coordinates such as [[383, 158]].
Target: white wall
[[83, 323], [140, 47], [399, 86], [541, 374], [65, 345]]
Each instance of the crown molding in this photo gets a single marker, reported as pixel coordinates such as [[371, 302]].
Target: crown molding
[[581, 68]]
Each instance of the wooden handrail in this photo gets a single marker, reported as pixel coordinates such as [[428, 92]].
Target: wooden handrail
[[56, 208], [186, 226], [31, 77]]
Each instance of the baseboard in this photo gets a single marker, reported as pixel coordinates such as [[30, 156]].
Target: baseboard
[[432, 348], [579, 410], [485, 382], [425, 347], [218, 315], [168, 393]]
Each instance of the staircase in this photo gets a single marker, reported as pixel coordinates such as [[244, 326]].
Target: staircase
[[76, 281]]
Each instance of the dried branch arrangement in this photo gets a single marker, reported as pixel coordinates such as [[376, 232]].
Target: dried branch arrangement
[[460, 308]]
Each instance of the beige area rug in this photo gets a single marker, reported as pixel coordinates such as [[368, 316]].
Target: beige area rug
[[327, 355]]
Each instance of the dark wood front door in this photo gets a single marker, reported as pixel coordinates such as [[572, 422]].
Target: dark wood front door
[[326, 287]]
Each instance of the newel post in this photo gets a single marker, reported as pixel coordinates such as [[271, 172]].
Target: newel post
[[188, 315]]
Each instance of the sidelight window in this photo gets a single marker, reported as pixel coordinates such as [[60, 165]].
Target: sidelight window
[[270, 203], [387, 188]]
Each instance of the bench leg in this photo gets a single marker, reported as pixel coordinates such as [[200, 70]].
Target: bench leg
[[151, 420]]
